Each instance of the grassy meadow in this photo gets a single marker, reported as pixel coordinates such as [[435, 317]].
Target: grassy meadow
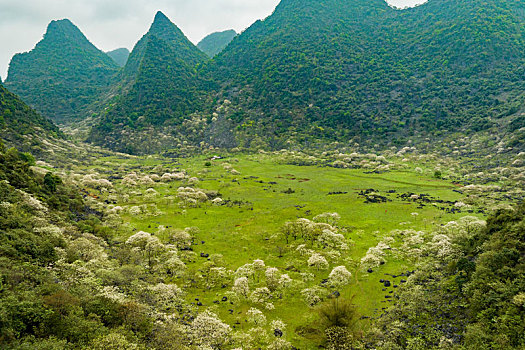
[[259, 195]]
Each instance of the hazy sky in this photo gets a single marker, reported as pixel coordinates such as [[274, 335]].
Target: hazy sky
[[111, 24]]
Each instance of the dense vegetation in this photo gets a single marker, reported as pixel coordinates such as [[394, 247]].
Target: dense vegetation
[[116, 269], [365, 69], [159, 85], [214, 43], [63, 76], [20, 125], [337, 69], [33, 211], [312, 72], [120, 56], [472, 297], [258, 227]]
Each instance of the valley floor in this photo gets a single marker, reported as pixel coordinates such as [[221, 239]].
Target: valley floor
[[250, 198], [232, 250]]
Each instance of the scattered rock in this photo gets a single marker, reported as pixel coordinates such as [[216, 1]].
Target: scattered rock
[[335, 295]]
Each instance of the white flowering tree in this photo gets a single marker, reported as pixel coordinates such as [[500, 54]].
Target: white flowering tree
[[318, 261], [241, 287], [165, 296], [340, 276], [260, 295], [256, 317], [208, 330], [313, 296], [272, 278], [150, 246], [328, 218]]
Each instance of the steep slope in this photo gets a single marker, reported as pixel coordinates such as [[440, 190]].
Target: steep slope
[[159, 85], [19, 124], [120, 56], [63, 75], [328, 70], [214, 43], [361, 68]]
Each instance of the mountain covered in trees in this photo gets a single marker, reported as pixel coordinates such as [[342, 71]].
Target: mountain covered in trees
[[334, 69], [158, 84], [20, 125], [63, 75], [214, 43], [364, 68], [313, 70], [120, 56]]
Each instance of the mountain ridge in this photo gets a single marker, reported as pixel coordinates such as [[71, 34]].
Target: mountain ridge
[[21, 126], [159, 82], [63, 75], [120, 56], [215, 42]]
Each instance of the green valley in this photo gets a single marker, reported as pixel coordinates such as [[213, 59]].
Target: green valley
[[340, 175]]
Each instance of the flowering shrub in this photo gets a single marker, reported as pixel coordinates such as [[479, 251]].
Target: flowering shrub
[[340, 276], [208, 330]]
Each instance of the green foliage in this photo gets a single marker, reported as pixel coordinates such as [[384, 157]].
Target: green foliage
[[120, 56], [497, 281], [214, 43], [51, 181], [63, 75], [18, 121], [338, 313], [160, 86], [32, 304], [370, 69], [475, 300], [338, 320], [334, 70]]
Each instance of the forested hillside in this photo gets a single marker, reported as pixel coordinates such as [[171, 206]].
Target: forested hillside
[[214, 43], [158, 85], [363, 68], [120, 56], [63, 76], [342, 175], [38, 216], [19, 124], [473, 295], [333, 70], [78, 273]]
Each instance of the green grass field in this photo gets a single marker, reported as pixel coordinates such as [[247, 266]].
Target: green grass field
[[268, 194]]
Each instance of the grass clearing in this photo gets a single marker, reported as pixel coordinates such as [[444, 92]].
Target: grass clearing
[[260, 195]]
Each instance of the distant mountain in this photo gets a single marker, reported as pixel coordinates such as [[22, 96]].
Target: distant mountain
[[327, 70], [159, 84], [120, 56], [214, 43], [19, 124], [63, 75], [361, 68]]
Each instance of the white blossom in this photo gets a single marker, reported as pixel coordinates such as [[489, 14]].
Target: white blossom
[[340, 276], [256, 317], [312, 296], [260, 295], [318, 261], [208, 330], [241, 286]]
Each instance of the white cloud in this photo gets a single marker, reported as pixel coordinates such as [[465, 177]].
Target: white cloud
[[111, 24]]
